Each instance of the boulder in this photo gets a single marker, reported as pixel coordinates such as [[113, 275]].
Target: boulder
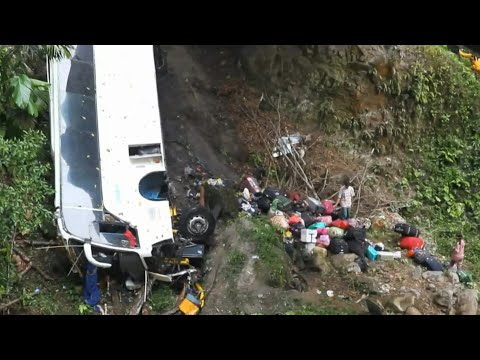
[[435, 277], [320, 261], [375, 307], [400, 304], [444, 297], [341, 262], [467, 302], [368, 285], [412, 311]]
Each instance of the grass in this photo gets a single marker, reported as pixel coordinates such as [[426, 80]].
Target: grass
[[163, 298], [236, 260], [54, 302], [269, 246], [326, 309], [385, 236]]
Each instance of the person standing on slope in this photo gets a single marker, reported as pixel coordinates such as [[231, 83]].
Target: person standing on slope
[[345, 196], [457, 254]]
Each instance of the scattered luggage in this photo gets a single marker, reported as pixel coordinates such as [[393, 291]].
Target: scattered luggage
[[406, 230], [411, 242], [359, 234], [317, 225], [323, 241], [335, 232], [342, 224], [271, 193], [250, 183], [338, 246], [328, 205], [327, 220], [315, 206]]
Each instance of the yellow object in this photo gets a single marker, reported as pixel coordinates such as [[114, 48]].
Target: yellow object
[[173, 211], [476, 65], [188, 308], [201, 294], [184, 262], [193, 303], [288, 234], [465, 55]]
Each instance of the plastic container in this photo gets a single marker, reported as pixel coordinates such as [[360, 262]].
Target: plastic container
[[308, 236], [372, 254], [388, 255]]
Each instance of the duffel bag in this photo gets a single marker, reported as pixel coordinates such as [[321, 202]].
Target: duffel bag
[[411, 242], [342, 224], [335, 232], [406, 230]]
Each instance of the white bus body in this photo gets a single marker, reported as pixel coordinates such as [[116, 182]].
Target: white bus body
[[108, 150]]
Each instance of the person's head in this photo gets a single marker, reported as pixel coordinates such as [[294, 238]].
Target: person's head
[[459, 237], [346, 181]]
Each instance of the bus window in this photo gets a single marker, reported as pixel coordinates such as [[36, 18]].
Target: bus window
[[154, 186]]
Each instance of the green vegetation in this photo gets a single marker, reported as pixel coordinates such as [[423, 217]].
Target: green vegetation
[[326, 309], [25, 193], [430, 111], [269, 246], [163, 298], [236, 260], [445, 176]]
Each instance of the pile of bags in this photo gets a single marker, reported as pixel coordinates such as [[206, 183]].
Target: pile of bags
[[410, 240], [306, 221]]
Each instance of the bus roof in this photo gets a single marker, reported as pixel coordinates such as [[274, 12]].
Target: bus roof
[[129, 117], [104, 107]]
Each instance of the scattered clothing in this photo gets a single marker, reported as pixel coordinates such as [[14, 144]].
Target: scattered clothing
[[91, 292]]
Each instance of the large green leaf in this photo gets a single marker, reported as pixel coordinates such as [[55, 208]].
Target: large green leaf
[[32, 108], [40, 84], [22, 89]]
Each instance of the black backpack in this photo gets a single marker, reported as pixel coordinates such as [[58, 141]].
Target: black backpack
[[338, 246], [352, 234], [264, 204], [406, 230], [336, 215], [271, 193], [296, 230], [357, 247], [308, 219]]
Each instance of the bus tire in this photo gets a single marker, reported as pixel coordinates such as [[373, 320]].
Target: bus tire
[[197, 224]]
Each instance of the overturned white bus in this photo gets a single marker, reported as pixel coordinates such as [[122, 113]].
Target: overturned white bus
[[110, 173]]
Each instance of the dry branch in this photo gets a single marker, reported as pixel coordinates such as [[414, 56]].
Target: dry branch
[[27, 259], [360, 189], [39, 242]]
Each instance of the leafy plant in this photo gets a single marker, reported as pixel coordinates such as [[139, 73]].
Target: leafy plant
[[22, 97], [24, 192], [271, 252], [84, 309], [236, 259], [163, 297]]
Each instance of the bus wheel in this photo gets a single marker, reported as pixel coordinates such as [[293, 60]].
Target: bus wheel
[[197, 224]]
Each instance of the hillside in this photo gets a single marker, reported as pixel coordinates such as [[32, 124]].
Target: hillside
[[400, 121]]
